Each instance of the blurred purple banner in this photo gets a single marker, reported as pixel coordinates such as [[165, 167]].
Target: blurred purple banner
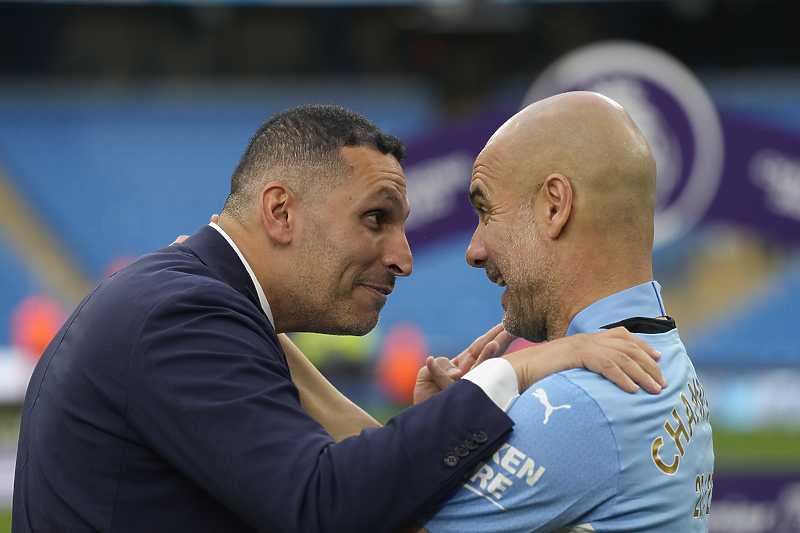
[[761, 183], [755, 504], [438, 171], [710, 167]]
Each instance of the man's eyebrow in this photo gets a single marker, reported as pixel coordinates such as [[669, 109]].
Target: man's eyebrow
[[387, 193], [476, 193]]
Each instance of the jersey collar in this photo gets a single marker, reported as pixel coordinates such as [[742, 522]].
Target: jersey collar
[[640, 301]]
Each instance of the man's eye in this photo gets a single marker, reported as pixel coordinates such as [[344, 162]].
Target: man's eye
[[375, 217]]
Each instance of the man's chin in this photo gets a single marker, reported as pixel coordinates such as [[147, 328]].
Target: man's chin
[[359, 329], [357, 326], [535, 333]]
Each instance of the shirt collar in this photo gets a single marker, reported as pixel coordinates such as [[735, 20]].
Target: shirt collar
[[262, 298], [640, 301]]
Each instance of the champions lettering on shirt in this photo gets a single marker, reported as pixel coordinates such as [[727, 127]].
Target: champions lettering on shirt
[[696, 411]]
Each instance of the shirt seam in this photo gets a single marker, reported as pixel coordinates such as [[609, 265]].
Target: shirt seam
[[658, 298], [618, 472]]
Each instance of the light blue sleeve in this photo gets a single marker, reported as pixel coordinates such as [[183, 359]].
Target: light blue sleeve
[[559, 467]]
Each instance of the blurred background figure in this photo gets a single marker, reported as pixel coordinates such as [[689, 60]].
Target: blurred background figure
[[121, 124]]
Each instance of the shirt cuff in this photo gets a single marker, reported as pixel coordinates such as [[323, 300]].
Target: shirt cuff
[[496, 377]]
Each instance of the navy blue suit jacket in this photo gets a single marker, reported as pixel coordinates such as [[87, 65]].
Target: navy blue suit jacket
[[165, 404]]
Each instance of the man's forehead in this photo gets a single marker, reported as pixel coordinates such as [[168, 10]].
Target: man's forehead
[[389, 193], [370, 167], [488, 165], [374, 178]]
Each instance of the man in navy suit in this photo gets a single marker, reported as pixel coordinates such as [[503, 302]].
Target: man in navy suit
[[166, 403]]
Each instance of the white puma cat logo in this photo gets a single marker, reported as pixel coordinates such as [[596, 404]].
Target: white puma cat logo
[[542, 395]]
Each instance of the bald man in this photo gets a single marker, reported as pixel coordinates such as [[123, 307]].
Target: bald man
[[565, 192]]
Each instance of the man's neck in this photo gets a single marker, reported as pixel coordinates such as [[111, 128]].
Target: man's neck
[[594, 285], [244, 242]]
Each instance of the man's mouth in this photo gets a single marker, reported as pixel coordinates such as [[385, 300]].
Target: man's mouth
[[494, 275], [380, 285], [381, 289]]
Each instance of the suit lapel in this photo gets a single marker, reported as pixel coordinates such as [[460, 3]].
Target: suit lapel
[[215, 252]]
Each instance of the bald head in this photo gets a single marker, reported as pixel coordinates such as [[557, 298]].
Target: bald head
[[565, 191], [592, 141]]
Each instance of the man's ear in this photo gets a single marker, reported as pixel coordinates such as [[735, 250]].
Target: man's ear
[[278, 205], [556, 198]]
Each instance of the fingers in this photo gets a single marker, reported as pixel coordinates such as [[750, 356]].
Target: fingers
[[623, 333], [492, 349], [441, 370], [504, 340], [617, 355], [618, 368], [440, 373], [471, 354], [494, 332], [644, 355], [496, 347], [626, 364], [214, 219], [480, 343], [436, 375], [612, 371]]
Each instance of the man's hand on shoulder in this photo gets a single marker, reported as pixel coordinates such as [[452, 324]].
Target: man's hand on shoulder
[[616, 354], [181, 238]]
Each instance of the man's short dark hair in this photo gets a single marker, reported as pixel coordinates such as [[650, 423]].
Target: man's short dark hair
[[301, 147]]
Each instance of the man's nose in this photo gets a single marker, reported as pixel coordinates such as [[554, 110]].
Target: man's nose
[[398, 255], [476, 255]]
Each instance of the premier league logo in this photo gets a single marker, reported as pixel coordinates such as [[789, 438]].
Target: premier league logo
[[671, 108]]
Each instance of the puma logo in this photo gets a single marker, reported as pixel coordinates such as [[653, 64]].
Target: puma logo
[[542, 395]]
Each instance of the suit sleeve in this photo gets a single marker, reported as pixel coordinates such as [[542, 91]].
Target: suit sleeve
[[210, 391]]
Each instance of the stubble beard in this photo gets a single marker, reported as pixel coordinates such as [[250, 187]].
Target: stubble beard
[[528, 316], [330, 315], [532, 303], [323, 301]]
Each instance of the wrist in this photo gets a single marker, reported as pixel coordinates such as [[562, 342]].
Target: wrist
[[498, 379]]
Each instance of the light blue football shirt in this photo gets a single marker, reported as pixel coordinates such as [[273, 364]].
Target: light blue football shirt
[[587, 456]]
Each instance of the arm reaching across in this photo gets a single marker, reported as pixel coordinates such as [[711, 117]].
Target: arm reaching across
[[340, 417], [616, 354]]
